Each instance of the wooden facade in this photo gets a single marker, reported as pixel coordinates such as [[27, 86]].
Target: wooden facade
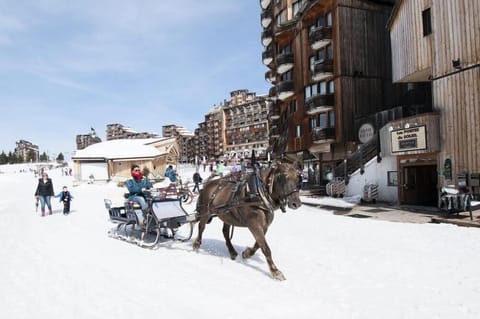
[[449, 58], [354, 34], [411, 50]]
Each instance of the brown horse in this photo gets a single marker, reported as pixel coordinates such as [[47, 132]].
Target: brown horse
[[225, 197]]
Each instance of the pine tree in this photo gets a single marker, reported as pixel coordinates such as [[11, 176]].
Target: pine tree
[[3, 158]]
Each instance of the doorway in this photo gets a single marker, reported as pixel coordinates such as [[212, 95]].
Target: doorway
[[419, 186]]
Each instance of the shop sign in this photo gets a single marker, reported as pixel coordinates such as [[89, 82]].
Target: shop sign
[[409, 139], [366, 132]]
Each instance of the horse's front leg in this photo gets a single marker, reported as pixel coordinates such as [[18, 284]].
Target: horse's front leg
[[201, 227], [250, 251], [226, 235], [259, 235]]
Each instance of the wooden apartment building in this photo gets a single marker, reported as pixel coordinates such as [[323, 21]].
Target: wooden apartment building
[[329, 64]]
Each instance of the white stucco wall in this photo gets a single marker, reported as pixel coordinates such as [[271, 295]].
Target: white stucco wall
[[375, 173]]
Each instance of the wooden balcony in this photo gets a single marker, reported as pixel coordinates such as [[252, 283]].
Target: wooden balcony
[[323, 135], [266, 17], [274, 112], [272, 92], [267, 55], [285, 89], [265, 3], [320, 103], [320, 37], [275, 132], [322, 69], [284, 62], [267, 36], [270, 77]]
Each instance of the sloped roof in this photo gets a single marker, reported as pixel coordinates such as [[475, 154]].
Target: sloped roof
[[122, 149]]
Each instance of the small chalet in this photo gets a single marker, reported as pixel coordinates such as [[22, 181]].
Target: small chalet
[[113, 159]]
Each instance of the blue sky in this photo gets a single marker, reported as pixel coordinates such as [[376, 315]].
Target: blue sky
[[66, 66]]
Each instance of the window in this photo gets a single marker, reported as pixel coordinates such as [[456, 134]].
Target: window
[[329, 52], [323, 119], [331, 87], [281, 17], [321, 55], [308, 92], [427, 22], [298, 131], [313, 123], [286, 49], [287, 76], [332, 119], [293, 106], [319, 22], [296, 6], [329, 19], [312, 61], [323, 88]]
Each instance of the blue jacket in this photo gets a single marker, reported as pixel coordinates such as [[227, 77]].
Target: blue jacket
[[64, 196], [170, 173], [135, 187]]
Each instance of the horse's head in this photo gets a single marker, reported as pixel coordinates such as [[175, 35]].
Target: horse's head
[[282, 185]]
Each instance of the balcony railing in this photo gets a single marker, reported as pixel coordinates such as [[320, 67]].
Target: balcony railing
[[286, 25], [267, 37], [323, 134], [322, 70], [285, 89], [275, 132], [265, 3], [274, 112], [270, 76], [267, 56], [320, 103], [284, 62], [320, 37], [266, 17], [272, 92]]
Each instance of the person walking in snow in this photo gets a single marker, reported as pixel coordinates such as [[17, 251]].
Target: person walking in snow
[[137, 187], [197, 179], [44, 193], [65, 198]]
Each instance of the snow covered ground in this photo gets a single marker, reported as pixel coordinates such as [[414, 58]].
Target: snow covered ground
[[336, 267]]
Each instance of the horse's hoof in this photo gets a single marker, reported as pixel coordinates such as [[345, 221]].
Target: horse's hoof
[[278, 276], [246, 253], [233, 256], [196, 245]]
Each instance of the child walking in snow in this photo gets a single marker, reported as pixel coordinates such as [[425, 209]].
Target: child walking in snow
[[65, 198]]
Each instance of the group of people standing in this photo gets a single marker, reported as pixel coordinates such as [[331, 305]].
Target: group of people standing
[[44, 194]]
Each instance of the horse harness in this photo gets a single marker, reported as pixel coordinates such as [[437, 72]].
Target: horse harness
[[240, 180]]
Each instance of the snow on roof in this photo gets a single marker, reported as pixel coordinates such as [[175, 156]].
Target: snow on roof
[[123, 148]]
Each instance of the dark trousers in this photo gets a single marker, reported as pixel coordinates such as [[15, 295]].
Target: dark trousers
[[66, 207], [196, 187]]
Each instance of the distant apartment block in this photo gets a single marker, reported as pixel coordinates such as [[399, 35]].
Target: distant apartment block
[[84, 140], [27, 151], [119, 131], [234, 128], [246, 125]]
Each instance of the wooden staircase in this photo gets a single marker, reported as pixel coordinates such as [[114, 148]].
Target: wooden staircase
[[358, 159]]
